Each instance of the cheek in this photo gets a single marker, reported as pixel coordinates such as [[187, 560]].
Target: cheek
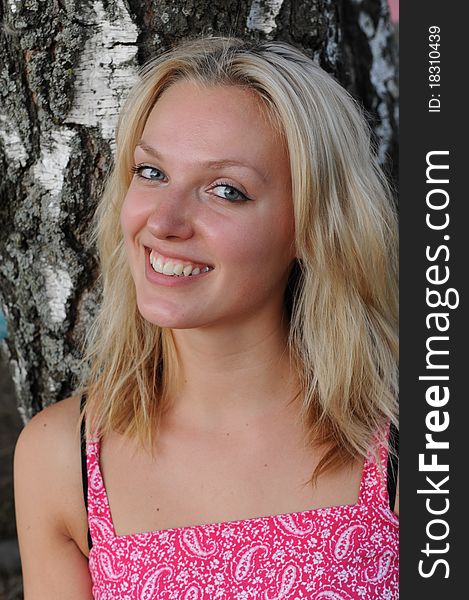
[[262, 246], [133, 215], [272, 238]]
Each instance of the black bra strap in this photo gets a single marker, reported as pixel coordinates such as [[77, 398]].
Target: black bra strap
[[393, 464], [84, 472]]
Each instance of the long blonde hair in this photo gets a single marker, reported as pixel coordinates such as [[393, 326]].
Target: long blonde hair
[[342, 292]]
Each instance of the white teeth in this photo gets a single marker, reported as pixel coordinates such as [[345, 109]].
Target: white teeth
[[168, 268], [174, 268], [158, 264], [154, 262]]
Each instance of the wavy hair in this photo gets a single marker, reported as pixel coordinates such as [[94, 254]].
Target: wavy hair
[[341, 296]]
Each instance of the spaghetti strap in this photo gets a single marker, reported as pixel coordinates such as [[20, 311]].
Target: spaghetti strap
[[84, 470], [378, 488], [101, 525], [392, 464]]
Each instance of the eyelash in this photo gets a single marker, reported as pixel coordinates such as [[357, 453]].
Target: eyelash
[[137, 170], [244, 198]]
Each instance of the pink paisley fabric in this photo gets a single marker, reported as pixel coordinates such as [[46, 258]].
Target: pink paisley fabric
[[337, 553]]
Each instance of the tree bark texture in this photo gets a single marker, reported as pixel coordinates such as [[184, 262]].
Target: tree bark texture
[[65, 68]]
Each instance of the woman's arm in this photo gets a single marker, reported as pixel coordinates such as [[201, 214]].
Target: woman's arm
[[50, 511]]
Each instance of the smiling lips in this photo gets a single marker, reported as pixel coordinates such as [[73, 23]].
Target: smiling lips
[[174, 267]]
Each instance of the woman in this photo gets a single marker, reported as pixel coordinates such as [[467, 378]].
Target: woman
[[243, 365]]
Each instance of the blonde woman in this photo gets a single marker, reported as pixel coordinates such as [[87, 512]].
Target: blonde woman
[[243, 365]]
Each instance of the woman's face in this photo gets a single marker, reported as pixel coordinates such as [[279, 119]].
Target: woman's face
[[208, 217]]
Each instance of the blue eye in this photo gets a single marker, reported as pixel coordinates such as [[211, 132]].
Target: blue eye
[[148, 173], [230, 193]]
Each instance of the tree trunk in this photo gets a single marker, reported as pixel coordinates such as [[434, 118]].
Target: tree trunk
[[67, 66]]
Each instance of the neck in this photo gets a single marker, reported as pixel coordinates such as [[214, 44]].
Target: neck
[[232, 375]]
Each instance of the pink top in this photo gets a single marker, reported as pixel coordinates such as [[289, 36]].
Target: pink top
[[337, 553]]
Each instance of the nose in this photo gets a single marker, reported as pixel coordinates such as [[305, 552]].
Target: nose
[[171, 218]]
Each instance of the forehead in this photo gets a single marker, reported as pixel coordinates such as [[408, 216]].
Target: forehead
[[187, 94], [207, 118]]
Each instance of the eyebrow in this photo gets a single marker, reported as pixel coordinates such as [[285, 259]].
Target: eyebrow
[[212, 164]]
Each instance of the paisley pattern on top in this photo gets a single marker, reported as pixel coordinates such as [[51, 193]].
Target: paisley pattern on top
[[344, 552]]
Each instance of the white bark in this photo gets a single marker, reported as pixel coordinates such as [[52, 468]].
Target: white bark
[[58, 287], [48, 170], [382, 77], [107, 70], [262, 15], [333, 38], [12, 142], [13, 5]]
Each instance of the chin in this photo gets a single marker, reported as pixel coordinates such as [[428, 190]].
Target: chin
[[164, 315]]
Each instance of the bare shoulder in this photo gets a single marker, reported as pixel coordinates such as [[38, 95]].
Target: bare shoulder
[[50, 510], [47, 456], [47, 446], [59, 419]]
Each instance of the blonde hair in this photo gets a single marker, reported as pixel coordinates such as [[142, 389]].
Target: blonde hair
[[342, 292]]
